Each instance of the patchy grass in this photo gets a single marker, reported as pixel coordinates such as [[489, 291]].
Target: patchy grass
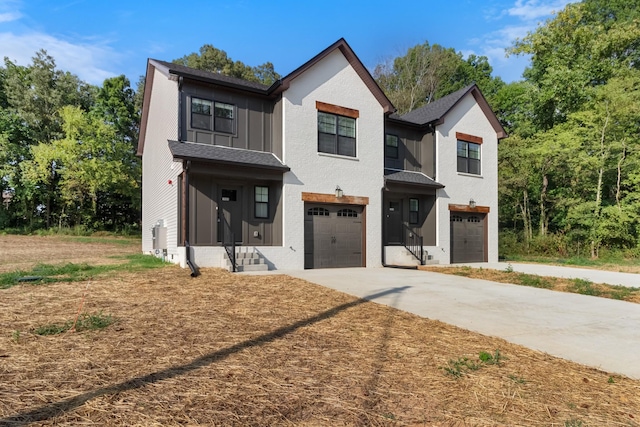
[[610, 263], [85, 322], [577, 286], [47, 273]]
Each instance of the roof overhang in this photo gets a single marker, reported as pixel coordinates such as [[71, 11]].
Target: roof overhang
[[227, 156], [402, 181]]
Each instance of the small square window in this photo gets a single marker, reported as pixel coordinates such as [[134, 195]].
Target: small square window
[[391, 146], [261, 202], [229, 195]]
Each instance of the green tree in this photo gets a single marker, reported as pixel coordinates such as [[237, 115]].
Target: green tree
[[216, 60], [429, 72], [578, 49], [91, 159]]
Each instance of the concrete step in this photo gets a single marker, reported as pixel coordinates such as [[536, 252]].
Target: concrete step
[[252, 267], [247, 259]]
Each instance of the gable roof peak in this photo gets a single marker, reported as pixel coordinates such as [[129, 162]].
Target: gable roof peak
[[341, 45]]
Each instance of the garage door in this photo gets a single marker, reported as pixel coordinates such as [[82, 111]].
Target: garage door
[[467, 237], [332, 236]]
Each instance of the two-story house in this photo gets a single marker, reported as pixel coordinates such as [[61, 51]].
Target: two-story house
[[314, 171]]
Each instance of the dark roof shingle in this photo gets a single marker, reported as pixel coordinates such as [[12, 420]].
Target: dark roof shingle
[[435, 110], [212, 77], [409, 177], [226, 155]]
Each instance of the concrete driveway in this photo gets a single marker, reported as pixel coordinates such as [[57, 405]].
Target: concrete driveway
[[593, 331]]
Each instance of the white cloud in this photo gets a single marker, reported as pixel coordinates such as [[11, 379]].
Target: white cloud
[[91, 62], [10, 16], [524, 15], [530, 10]]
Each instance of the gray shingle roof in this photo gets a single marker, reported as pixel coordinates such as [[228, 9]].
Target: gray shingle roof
[[408, 177], [435, 110], [212, 77], [226, 155]]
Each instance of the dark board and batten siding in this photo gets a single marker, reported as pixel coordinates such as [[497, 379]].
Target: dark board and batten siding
[[416, 151], [254, 127], [205, 196]]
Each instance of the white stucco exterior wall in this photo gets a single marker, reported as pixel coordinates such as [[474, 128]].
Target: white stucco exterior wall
[[159, 198], [332, 81], [466, 117]]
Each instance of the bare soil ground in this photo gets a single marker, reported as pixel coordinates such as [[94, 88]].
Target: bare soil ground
[[225, 349], [23, 252]]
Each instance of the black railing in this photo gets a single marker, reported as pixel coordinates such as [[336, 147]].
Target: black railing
[[413, 243], [229, 242]]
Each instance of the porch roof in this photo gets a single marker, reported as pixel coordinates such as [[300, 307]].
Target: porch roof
[[396, 176], [226, 155]]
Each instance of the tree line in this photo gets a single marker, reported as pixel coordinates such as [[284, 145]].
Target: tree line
[[569, 175]]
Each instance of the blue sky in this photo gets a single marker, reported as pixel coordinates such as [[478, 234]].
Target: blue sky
[[96, 39]]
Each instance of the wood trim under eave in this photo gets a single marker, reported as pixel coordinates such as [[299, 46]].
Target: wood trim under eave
[[336, 109], [467, 208], [331, 198], [468, 138], [148, 87]]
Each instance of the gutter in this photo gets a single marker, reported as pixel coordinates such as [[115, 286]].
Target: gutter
[[194, 270]]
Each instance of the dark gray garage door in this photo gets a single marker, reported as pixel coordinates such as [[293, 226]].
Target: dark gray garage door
[[332, 236], [467, 237]]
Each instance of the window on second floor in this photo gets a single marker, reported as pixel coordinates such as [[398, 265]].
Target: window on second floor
[[391, 146], [213, 116], [468, 157], [336, 134]]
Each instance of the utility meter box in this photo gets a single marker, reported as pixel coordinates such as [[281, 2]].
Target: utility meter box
[[159, 235]]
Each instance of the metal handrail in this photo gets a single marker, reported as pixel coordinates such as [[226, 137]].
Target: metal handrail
[[413, 243], [229, 242]]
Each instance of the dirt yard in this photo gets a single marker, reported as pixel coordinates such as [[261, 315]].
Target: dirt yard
[[225, 349], [22, 252]]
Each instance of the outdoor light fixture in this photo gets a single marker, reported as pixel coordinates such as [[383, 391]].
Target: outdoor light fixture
[[472, 204], [339, 192]]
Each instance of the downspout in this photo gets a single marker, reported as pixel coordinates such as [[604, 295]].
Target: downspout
[[180, 80], [192, 266]]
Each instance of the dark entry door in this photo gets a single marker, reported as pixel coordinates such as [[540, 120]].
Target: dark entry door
[[332, 236], [393, 218], [467, 237], [230, 213]]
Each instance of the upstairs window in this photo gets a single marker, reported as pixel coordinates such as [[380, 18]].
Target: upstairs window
[[213, 116], [391, 146], [201, 114], [468, 157], [223, 117], [336, 134]]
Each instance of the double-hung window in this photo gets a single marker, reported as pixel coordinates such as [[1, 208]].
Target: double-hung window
[[414, 211], [336, 134], [261, 202], [211, 115], [391, 146], [468, 157]]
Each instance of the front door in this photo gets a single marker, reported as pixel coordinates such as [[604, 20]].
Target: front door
[[393, 218], [230, 213]]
